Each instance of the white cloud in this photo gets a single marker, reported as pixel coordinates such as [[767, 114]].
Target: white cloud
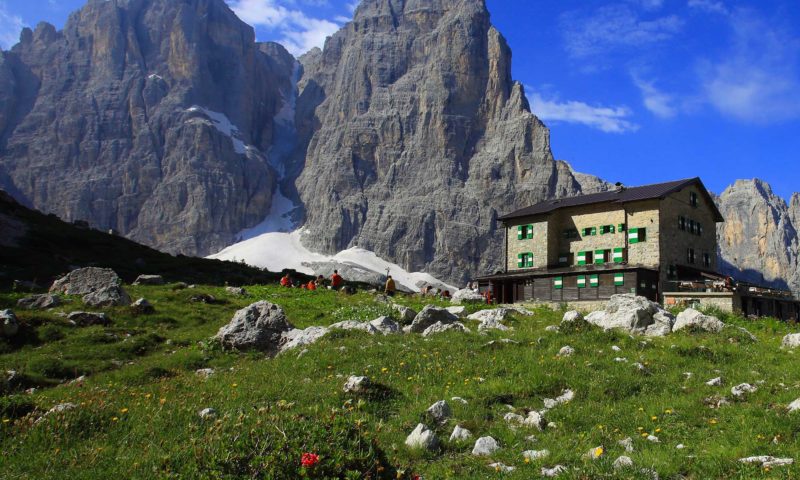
[[661, 104], [588, 33], [10, 27], [606, 119], [710, 6], [758, 79], [299, 32]]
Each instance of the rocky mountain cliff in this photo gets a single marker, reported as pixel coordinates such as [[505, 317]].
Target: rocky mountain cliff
[[418, 138], [758, 241], [151, 117]]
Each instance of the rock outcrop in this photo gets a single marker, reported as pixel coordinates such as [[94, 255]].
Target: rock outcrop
[[633, 314], [758, 242], [413, 138], [149, 117]]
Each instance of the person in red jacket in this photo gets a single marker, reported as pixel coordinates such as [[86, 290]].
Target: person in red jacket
[[312, 285], [286, 281], [336, 280]]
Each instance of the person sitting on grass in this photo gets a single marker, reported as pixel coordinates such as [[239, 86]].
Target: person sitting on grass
[[312, 285], [336, 280], [390, 288], [286, 281]]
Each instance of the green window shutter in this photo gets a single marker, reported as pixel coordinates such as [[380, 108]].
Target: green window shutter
[[530, 232], [594, 281], [599, 257], [633, 235], [520, 260], [519, 232], [622, 227], [594, 231], [529, 262], [581, 281], [581, 258], [619, 279], [558, 283], [619, 255]]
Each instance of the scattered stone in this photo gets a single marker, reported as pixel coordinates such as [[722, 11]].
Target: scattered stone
[[616, 348], [204, 372], [440, 327], [767, 461], [653, 438], [627, 444], [715, 401], [142, 307], [460, 434], [9, 322], [60, 408], [422, 438], [566, 396], [620, 359], [502, 341], [439, 412], [595, 453], [553, 472], [259, 326], [149, 280], [552, 328], [84, 281], [485, 446], [207, 413], [566, 351], [385, 325], [680, 446], [742, 389], [572, 317], [532, 455], [431, 315], [623, 462], [691, 318], [237, 291], [535, 419], [467, 296], [354, 325], [39, 302], [494, 315], [113, 296], [406, 314], [513, 418], [791, 340], [634, 314], [715, 382], [299, 338], [88, 319], [458, 310], [794, 406], [501, 467], [356, 384], [203, 298], [459, 400]]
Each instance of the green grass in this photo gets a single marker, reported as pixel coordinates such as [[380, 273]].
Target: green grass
[[137, 414]]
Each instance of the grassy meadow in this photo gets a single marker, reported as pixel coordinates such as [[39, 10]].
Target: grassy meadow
[[137, 409]]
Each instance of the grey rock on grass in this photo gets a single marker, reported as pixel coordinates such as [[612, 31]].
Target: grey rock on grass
[[460, 434], [87, 319], [422, 438], [9, 323], [791, 341], [691, 318], [429, 316], [149, 280], [259, 326], [296, 338], [86, 280], [39, 302], [485, 446], [112, 296], [633, 314], [439, 412], [440, 327], [356, 384]]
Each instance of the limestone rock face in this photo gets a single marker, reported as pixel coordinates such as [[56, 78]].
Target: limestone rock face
[[149, 117], [414, 138], [758, 241]]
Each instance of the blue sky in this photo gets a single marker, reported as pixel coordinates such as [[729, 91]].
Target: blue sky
[[635, 91]]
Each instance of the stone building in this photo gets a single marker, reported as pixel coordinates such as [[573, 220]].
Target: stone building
[[658, 241]]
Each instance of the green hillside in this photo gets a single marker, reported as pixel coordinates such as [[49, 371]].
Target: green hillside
[[136, 412]]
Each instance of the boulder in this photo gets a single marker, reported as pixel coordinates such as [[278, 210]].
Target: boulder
[[692, 319], [573, 316], [622, 462], [633, 314], [9, 322], [149, 280], [259, 326], [440, 327], [460, 434], [354, 325], [88, 319], [495, 315], [423, 438], [439, 412], [459, 311], [113, 296], [406, 314], [715, 382], [742, 389], [39, 302], [535, 419], [385, 325], [356, 384], [467, 296], [566, 351], [532, 455], [485, 446], [794, 406], [237, 291], [142, 307], [84, 281], [791, 340], [299, 338], [565, 397], [430, 315]]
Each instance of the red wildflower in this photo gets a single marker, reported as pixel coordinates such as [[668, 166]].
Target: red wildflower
[[309, 459]]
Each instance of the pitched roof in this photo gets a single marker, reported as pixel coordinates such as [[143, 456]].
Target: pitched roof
[[625, 195]]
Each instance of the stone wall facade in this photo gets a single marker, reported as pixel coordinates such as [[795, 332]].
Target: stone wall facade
[[536, 245]]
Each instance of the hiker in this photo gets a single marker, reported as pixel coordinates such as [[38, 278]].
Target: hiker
[[390, 287], [312, 285], [446, 295], [320, 281], [336, 280], [286, 281]]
